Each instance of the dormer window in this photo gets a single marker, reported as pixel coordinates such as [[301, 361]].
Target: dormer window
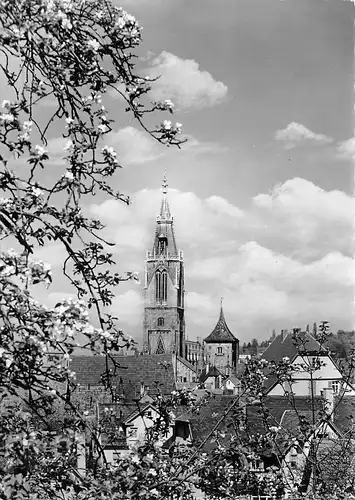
[[160, 321]]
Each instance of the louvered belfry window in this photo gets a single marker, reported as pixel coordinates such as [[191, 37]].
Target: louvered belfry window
[[161, 286]]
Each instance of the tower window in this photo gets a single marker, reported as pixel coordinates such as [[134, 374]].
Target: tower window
[[161, 286], [160, 321], [163, 243], [219, 350]]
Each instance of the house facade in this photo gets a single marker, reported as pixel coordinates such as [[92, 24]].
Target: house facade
[[313, 369]]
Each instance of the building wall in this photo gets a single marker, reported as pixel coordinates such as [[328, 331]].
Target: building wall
[[220, 356], [136, 433], [171, 336], [327, 376], [184, 374], [230, 386]]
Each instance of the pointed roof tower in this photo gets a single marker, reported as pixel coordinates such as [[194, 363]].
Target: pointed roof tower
[[165, 213], [164, 233], [221, 332]]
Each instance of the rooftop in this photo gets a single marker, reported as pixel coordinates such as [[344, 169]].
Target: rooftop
[[221, 333], [290, 345], [203, 420], [128, 372]]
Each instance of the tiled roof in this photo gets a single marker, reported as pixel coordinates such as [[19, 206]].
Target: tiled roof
[[203, 420], [234, 380], [259, 422], [286, 346], [155, 371], [221, 332], [212, 372]]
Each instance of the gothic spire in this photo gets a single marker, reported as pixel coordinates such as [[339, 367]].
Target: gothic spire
[[165, 214], [164, 240]]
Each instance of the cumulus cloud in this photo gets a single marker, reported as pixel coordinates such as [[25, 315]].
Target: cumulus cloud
[[346, 149], [309, 217], [134, 146], [197, 221], [265, 287], [296, 133], [182, 81], [127, 307], [283, 261]]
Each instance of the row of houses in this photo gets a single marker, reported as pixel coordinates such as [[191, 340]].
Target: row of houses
[[315, 405]]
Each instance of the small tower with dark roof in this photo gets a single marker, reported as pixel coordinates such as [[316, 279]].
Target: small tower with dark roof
[[164, 320], [222, 347]]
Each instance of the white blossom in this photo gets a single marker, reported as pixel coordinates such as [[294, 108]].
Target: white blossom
[[68, 145], [129, 18], [7, 118], [69, 175], [109, 151], [94, 45], [167, 124], [37, 192], [102, 128], [169, 103], [6, 104], [40, 150], [8, 362], [69, 120], [27, 125], [121, 23]]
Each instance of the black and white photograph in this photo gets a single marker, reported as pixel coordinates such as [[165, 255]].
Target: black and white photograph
[[177, 250]]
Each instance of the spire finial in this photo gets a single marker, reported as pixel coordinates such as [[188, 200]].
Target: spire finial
[[164, 184], [222, 302]]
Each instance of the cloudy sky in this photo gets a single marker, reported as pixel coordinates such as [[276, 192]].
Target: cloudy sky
[[262, 193]]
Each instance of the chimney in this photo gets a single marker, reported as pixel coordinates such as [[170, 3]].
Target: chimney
[[328, 396]]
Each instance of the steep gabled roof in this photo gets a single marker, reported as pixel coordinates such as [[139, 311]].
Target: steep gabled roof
[[209, 413], [155, 371], [285, 345], [212, 372], [234, 380], [221, 333]]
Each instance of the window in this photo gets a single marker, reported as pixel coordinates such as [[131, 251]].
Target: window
[[161, 286], [133, 432], [219, 350], [163, 243], [160, 321], [335, 386]]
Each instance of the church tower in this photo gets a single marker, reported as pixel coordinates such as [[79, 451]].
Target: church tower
[[164, 321]]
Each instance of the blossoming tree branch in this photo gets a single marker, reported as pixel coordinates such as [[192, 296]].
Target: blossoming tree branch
[[61, 62]]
